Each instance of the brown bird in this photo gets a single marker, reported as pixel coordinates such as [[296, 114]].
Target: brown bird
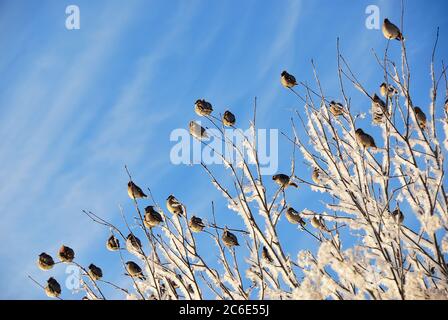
[[203, 108], [174, 206], [265, 255], [364, 139], [197, 131], [336, 108], [152, 217], [294, 217], [112, 243], [379, 109], [133, 243], [287, 80], [391, 31], [229, 239], [134, 191], [134, 270], [66, 254], [398, 216], [228, 119], [421, 117], [316, 176], [446, 105], [95, 272], [388, 90], [53, 288], [196, 224], [283, 180], [318, 223], [45, 261]]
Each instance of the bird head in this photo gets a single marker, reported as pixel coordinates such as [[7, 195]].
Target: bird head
[[284, 73], [170, 197], [359, 131]]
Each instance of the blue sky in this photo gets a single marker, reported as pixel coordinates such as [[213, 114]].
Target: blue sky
[[76, 106]]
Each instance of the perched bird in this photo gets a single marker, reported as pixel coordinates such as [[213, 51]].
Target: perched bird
[[287, 80], [364, 139], [152, 217], [174, 206], [294, 217], [398, 216], [45, 261], [265, 255], [112, 243], [316, 176], [336, 108], [133, 243], [134, 270], [379, 109], [421, 117], [446, 105], [53, 288], [283, 180], [134, 191], [391, 31], [318, 223], [228, 119], [230, 240], [196, 224], [203, 108], [66, 254], [197, 131], [95, 272], [388, 90]]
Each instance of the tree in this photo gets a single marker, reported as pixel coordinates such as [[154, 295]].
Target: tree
[[370, 188]]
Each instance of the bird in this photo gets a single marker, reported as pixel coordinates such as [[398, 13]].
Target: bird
[[318, 223], [315, 176], [197, 131], [364, 139], [287, 80], [391, 31], [228, 119], [152, 217], [388, 90], [203, 108], [336, 108], [379, 109], [45, 261], [294, 217], [174, 206], [421, 117], [398, 216], [133, 243], [66, 254], [230, 240], [446, 105], [113, 244], [283, 180], [196, 224], [134, 191], [95, 272], [265, 255], [53, 288], [134, 270]]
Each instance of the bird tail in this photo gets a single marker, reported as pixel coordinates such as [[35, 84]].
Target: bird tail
[[292, 184]]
